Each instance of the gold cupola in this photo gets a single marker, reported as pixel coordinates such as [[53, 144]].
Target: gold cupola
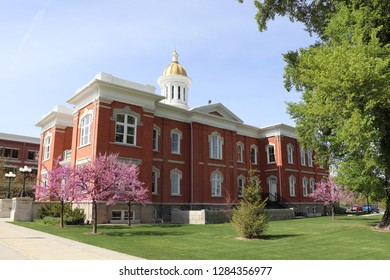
[[174, 84], [175, 68]]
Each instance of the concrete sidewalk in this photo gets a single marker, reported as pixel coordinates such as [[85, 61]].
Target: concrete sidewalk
[[19, 243]]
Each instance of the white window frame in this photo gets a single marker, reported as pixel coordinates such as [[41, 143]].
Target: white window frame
[[126, 127], [216, 179], [254, 152], [216, 143], [240, 185], [305, 183], [292, 181], [155, 176], [47, 146], [176, 176], [85, 129], [312, 184], [240, 152], [175, 147], [156, 136], [269, 160], [303, 157], [309, 158], [290, 154]]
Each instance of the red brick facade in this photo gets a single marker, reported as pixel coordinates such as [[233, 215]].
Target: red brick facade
[[131, 120]]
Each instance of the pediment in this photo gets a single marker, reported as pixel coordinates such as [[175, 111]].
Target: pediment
[[218, 110]]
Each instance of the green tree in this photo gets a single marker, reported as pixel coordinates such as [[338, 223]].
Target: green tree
[[344, 114], [315, 14], [249, 218]]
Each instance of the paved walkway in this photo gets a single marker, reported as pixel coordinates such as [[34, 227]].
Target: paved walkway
[[19, 243]]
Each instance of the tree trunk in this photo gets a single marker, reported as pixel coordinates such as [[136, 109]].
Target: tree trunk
[[62, 215], [128, 214], [94, 217], [333, 212], [385, 222]]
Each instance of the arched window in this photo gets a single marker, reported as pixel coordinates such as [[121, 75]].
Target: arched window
[[270, 153], [216, 184], [240, 185], [155, 176], [312, 185], [254, 154], [176, 176], [175, 141], [292, 182], [85, 129], [240, 152], [304, 186], [216, 142], [46, 146], [290, 153]]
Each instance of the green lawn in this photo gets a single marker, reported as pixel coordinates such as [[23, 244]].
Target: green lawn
[[300, 239]]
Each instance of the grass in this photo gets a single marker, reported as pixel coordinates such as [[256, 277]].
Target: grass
[[320, 238]]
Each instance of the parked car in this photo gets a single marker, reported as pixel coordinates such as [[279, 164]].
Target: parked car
[[357, 208], [371, 208]]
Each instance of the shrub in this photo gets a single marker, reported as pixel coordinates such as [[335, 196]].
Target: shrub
[[249, 218], [50, 213], [53, 209], [76, 217]]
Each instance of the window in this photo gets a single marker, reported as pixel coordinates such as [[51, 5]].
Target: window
[[304, 186], [155, 176], [216, 184], [240, 185], [156, 133], [292, 182], [126, 129], [253, 154], [32, 155], [310, 158], [85, 129], [271, 154], [290, 154], [11, 153], [240, 152], [303, 160], [175, 181], [122, 215], [216, 142], [175, 144], [312, 184], [46, 147]]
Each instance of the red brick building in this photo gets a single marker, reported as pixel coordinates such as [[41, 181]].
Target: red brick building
[[18, 151], [189, 158]]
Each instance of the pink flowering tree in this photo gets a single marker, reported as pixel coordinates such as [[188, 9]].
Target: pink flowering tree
[[108, 180], [59, 185], [330, 193], [128, 188]]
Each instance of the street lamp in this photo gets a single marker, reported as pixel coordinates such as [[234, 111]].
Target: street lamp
[[25, 170], [10, 177]]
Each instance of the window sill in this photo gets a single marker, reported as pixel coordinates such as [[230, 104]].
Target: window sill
[[124, 144], [82, 146]]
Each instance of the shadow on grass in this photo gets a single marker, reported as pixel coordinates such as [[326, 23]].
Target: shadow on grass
[[279, 236], [157, 226], [145, 233]]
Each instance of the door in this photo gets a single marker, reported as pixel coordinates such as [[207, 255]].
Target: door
[[272, 189]]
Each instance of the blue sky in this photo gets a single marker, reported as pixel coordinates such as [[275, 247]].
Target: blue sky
[[50, 48]]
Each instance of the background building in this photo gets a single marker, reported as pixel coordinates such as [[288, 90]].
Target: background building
[[189, 158]]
